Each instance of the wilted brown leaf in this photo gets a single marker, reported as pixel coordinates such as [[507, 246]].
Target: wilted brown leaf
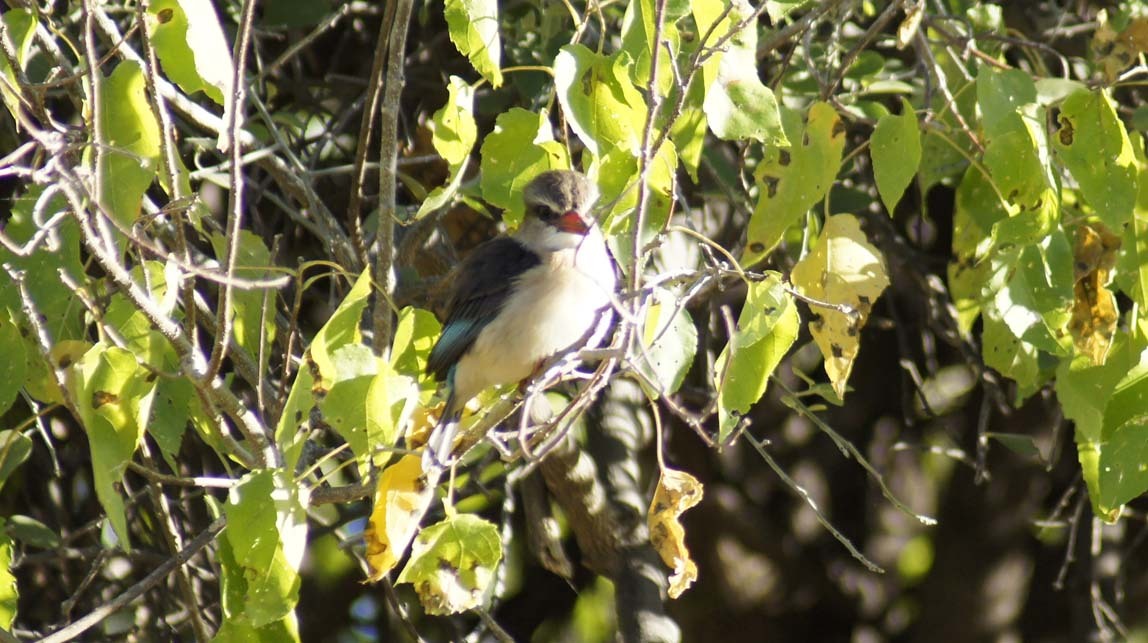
[[677, 491], [1094, 313]]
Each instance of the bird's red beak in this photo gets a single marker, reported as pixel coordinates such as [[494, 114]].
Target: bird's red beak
[[572, 222]]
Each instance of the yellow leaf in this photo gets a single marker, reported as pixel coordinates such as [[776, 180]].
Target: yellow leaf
[[1094, 313], [401, 500], [846, 269], [676, 492]]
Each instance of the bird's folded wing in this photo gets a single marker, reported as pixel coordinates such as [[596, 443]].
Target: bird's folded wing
[[484, 282]]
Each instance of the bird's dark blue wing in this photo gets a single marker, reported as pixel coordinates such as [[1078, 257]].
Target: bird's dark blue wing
[[484, 281]]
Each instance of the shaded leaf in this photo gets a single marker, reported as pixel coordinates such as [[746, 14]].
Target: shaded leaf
[[15, 447], [896, 151], [21, 26]]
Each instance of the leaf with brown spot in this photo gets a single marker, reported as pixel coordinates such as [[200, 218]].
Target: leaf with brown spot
[[844, 268], [401, 500], [1094, 312], [792, 179], [453, 562], [677, 491]]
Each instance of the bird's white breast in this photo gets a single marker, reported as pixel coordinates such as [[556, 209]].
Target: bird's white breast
[[553, 306]]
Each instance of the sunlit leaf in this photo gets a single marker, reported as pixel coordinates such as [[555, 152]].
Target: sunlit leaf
[[453, 562], [738, 106], [128, 152], [266, 529], [520, 148], [1094, 146], [1036, 302], [9, 591], [113, 395], [1009, 356], [843, 268], [766, 328], [401, 499], [473, 27], [896, 151], [601, 104], [14, 366], [21, 26], [792, 179], [318, 372], [669, 343], [677, 491], [191, 46]]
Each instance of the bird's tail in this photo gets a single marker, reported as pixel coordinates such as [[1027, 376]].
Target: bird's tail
[[436, 453]]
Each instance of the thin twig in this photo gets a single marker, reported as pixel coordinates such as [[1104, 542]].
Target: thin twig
[[97, 615]]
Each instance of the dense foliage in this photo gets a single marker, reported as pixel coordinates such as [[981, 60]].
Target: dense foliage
[[885, 270]]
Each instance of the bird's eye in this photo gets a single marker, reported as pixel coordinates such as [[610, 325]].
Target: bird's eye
[[543, 212]]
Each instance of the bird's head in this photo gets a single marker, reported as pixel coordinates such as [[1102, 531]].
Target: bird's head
[[557, 204]]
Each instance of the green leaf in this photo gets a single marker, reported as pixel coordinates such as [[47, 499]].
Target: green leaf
[[737, 104], [473, 27], [452, 563], [113, 395], [128, 137], [63, 314], [896, 150], [1095, 148], [972, 275], [600, 102], [1132, 263], [669, 342], [453, 130], [253, 312], [9, 591], [236, 583], [260, 511], [792, 179], [1004, 98], [509, 162], [1009, 356], [344, 407], [15, 447], [341, 329], [21, 26], [191, 46], [766, 328], [31, 532], [1036, 303], [13, 368], [1106, 424], [453, 135]]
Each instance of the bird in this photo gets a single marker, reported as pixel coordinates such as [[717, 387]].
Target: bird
[[519, 300]]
